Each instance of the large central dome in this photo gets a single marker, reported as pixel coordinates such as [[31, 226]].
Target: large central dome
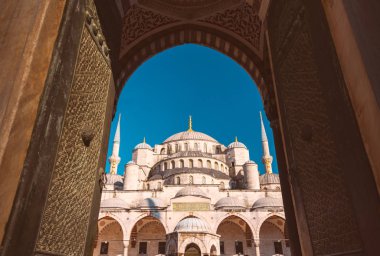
[[189, 135]]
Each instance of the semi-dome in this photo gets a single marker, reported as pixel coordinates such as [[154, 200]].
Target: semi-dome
[[189, 135], [269, 178], [152, 203], [192, 224], [114, 203], [268, 203], [191, 191], [230, 203]]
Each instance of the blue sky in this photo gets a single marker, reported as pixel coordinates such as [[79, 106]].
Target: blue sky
[[190, 80]]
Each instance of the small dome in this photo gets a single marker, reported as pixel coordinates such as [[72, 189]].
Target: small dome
[[191, 191], [192, 224], [236, 144], [189, 135], [143, 145], [114, 203], [268, 202], [152, 203], [250, 162], [113, 178], [230, 202], [269, 178], [130, 162]]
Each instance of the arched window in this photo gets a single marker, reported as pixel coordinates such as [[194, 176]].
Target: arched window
[[165, 166], [163, 151], [205, 147], [196, 147], [221, 167], [214, 149], [209, 164], [181, 163], [186, 147], [191, 179], [159, 185], [216, 166], [147, 186], [176, 148], [173, 164], [222, 185], [200, 163], [178, 180], [203, 180], [191, 163], [180, 147], [212, 181], [169, 149]]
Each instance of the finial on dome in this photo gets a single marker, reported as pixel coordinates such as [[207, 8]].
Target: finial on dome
[[236, 139], [144, 141], [190, 124]]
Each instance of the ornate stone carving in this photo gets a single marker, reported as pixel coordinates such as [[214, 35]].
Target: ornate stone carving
[[316, 171], [243, 20], [64, 225], [139, 21]]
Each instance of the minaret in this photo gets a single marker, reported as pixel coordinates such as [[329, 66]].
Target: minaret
[[114, 159], [267, 158]]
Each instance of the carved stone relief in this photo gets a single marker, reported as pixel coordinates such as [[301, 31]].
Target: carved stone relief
[[64, 226]]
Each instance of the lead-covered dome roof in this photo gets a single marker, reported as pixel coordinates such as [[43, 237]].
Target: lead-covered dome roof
[[268, 203], [191, 191], [192, 224], [190, 135], [269, 178], [236, 144], [229, 202], [116, 203], [152, 203]]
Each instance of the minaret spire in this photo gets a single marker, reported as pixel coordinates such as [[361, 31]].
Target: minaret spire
[[114, 159], [267, 158], [190, 124]]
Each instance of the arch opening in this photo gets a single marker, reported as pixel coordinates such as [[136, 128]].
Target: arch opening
[[192, 250]]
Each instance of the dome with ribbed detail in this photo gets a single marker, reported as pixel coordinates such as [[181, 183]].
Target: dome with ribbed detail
[[189, 135], [230, 202], [143, 145], [192, 224], [268, 203], [269, 178], [152, 203], [191, 191], [237, 144], [116, 203]]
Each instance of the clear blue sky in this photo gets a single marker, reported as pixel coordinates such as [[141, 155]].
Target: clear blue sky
[[190, 80]]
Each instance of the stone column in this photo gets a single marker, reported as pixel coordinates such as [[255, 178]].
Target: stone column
[[257, 247], [126, 246]]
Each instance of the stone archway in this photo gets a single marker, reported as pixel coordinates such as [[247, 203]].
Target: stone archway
[[192, 250], [110, 235], [272, 236], [145, 237], [58, 127], [213, 251], [236, 236]]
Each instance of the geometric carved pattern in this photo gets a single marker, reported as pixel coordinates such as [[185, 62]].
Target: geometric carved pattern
[[139, 21], [243, 20], [64, 225], [315, 168]]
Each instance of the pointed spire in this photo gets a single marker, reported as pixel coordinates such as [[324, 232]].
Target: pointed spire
[[236, 139], [190, 124], [263, 133], [117, 133], [144, 140]]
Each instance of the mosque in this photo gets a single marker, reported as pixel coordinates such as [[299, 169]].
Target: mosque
[[191, 195]]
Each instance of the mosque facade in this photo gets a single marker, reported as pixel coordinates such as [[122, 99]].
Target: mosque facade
[[191, 195]]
